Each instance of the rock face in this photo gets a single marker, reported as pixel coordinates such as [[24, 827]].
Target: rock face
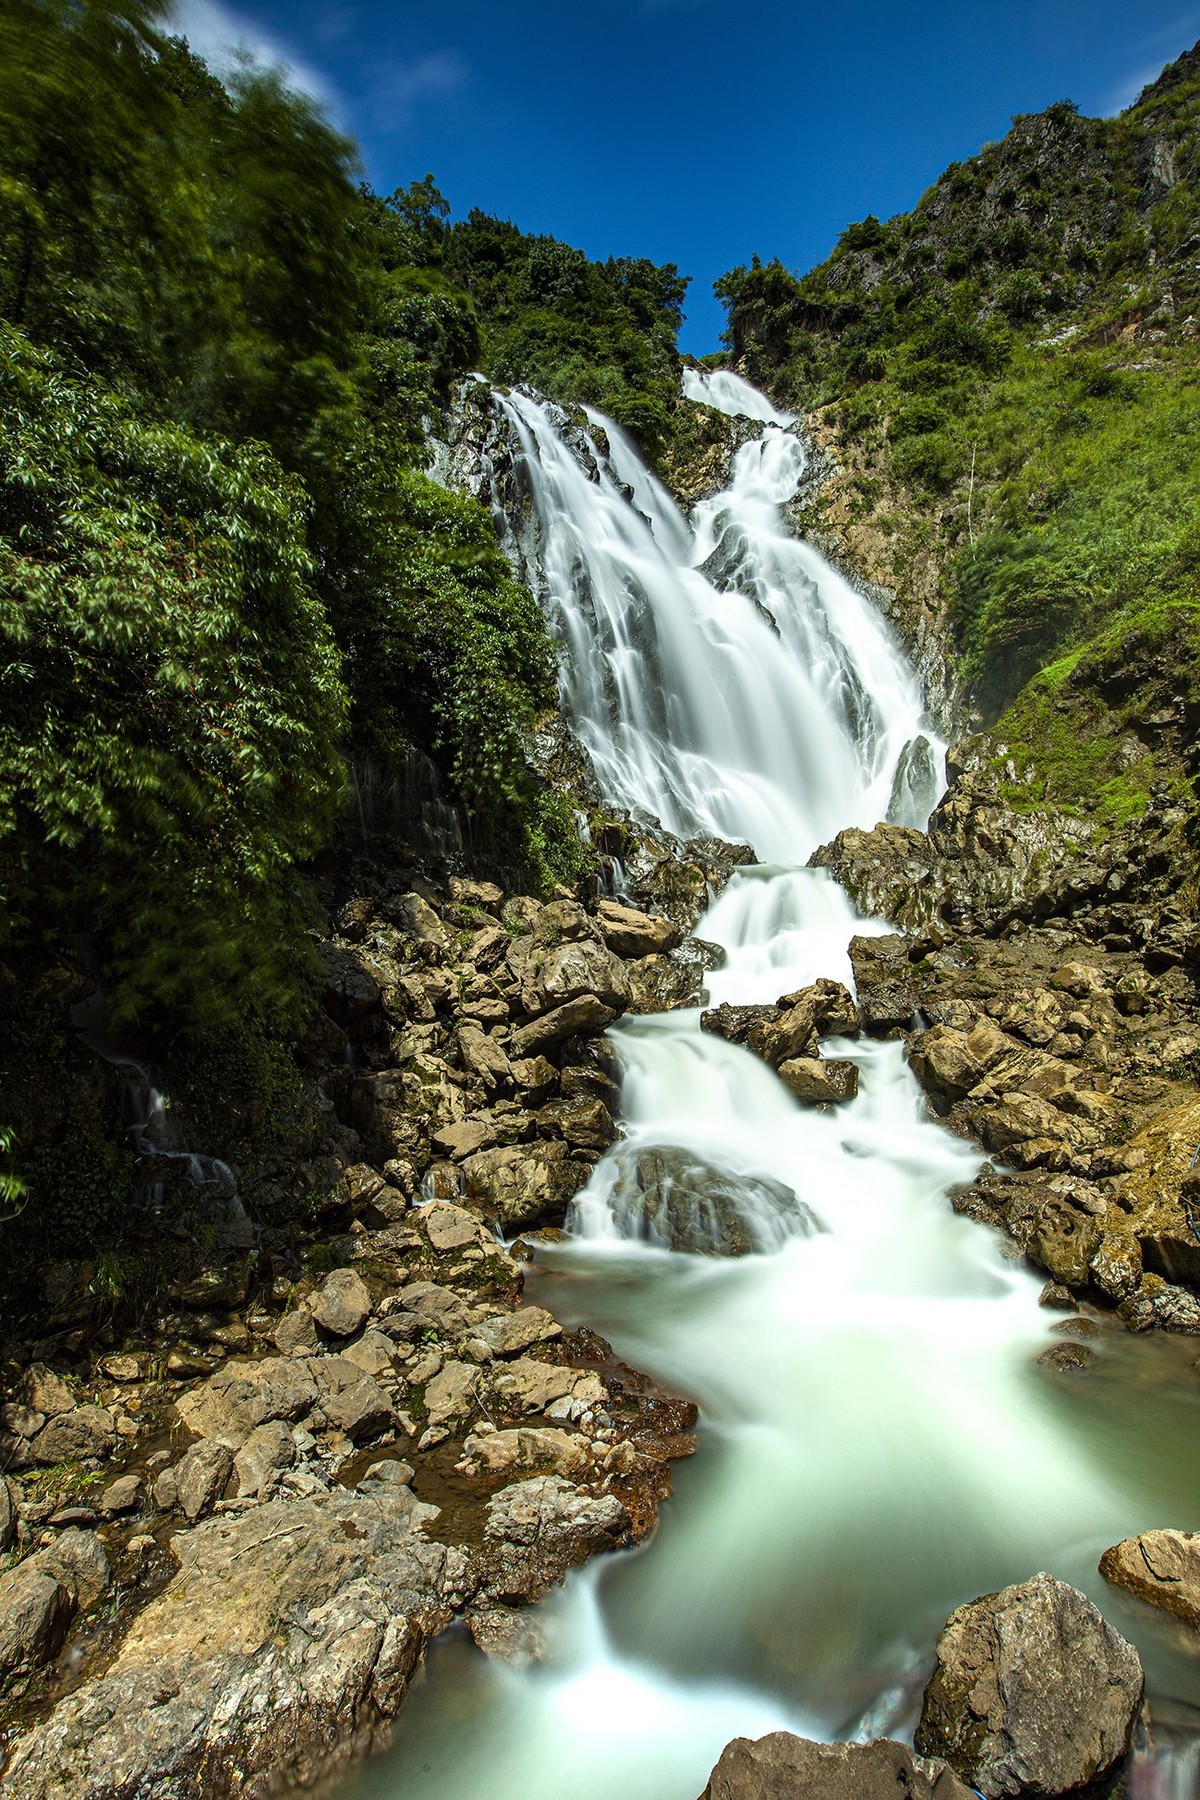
[[783, 1767], [281, 1630], [1033, 1693], [1161, 1567], [676, 1198]]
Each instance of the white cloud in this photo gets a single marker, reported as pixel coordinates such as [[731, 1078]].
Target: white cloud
[[397, 94], [221, 36]]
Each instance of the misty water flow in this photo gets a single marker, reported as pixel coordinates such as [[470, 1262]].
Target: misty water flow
[[876, 1442]]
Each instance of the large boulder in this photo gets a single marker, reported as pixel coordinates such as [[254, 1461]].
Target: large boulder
[[572, 970], [584, 1017], [1032, 1694], [285, 1629], [629, 932], [783, 1767], [1161, 1567], [676, 1198], [883, 977], [820, 1080], [537, 1529], [41, 1596], [520, 1184]]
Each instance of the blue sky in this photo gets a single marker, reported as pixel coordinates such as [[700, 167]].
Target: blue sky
[[694, 131]]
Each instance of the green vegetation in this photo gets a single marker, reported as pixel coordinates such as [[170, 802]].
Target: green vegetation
[[1007, 383], [223, 572]]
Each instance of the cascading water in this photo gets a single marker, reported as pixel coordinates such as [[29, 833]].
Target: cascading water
[[876, 1443]]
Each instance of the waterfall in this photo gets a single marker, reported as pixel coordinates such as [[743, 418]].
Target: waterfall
[[876, 1444]]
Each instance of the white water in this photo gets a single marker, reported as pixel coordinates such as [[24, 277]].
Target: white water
[[876, 1445]]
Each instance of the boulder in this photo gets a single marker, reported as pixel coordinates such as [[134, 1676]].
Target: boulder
[[1033, 1693], [262, 1458], [243, 1395], [506, 1334], [820, 1081], [8, 1513], [360, 1408], [452, 1392], [537, 1529], [1160, 1567], [582, 1122], [73, 1436], [674, 1197], [483, 1057], [572, 971], [198, 1479], [342, 1303], [734, 1023], [283, 1631], [46, 1392], [121, 1496], [944, 1063], [519, 1185], [791, 1032], [783, 1767], [585, 1017], [883, 977], [629, 932], [528, 1385], [351, 994], [40, 1597], [449, 1227], [296, 1333]]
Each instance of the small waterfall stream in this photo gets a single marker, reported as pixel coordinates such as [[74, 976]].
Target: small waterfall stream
[[876, 1443]]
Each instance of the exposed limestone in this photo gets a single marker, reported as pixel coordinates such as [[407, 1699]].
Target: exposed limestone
[[1033, 1693]]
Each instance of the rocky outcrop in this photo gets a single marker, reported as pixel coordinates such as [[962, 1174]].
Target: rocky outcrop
[[1032, 1694], [1160, 1567], [783, 1767]]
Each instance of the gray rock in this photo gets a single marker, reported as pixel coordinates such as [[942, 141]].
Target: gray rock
[[820, 1081], [883, 977], [243, 1395], [261, 1459], [255, 1666], [676, 1198], [783, 1767], [199, 1477], [537, 1529], [1160, 1567], [296, 1333], [342, 1304], [74, 1436], [121, 1495], [361, 1409], [1033, 1693], [519, 1184], [585, 1017], [506, 1334]]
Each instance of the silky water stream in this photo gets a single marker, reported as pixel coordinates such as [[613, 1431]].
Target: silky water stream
[[877, 1443]]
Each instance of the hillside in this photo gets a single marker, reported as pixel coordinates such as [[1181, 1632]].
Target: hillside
[[1004, 384]]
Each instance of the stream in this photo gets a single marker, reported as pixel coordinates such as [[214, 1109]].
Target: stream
[[877, 1443]]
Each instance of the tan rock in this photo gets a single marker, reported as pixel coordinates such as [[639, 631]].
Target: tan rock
[[629, 932], [1160, 1567]]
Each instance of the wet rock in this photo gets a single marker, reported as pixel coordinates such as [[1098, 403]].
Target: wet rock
[[40, 1597], [585, 1017], [342, 1304], [417, 919], [783, 1767], [820, 1081], [284, 1625], [629, 932], [583, 1123], [546, 1447], [1175, 1255], [676, 1198], [735, 1023], [944, 1063], [536, 1530], [351, 994], [786, 1034], [883, 977], [1033, 1693], [535, 1078], [518, 1186], [217, 1289], [1157, 1305], [465, 891], [121, 1496], [575, 971], [1066, 1359], [121, 1367], [515, 1638], [1058, 1298], [1160, 1567], [664, 983]]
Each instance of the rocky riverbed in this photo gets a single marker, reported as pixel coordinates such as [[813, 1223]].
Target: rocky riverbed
[[232, 1536]]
